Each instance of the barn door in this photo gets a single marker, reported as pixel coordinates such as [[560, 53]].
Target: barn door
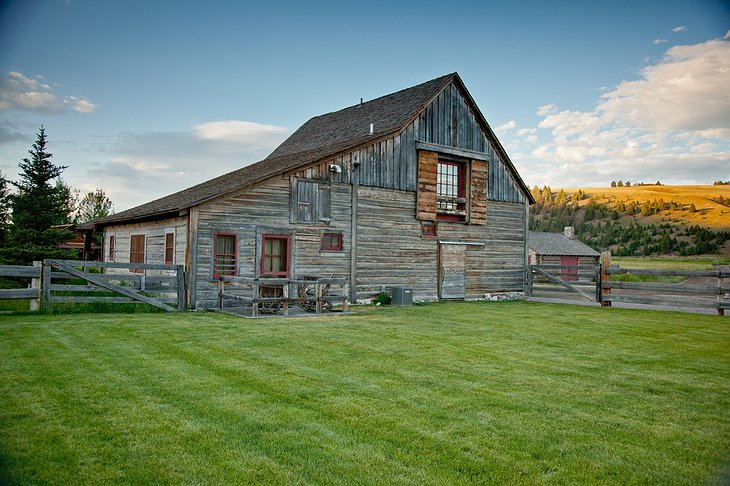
[[568, 268], [452, 275]]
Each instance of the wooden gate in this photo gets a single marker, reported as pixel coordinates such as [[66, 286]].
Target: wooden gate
[[157, 285], [564, 281], [452, 271]]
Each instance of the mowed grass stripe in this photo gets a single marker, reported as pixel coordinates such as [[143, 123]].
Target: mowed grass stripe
[[436, 394]]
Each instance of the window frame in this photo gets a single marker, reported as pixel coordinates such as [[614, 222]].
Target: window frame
[[112, 248], [137, 253], [170, 248], [328, 248], [287, 238], [216, 255], [460, 200]]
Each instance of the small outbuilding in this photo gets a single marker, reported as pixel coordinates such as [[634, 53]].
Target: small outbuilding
[[561, 249]]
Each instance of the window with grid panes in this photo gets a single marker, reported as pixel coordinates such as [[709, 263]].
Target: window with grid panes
[[275, 255], [224, 262], [450, 191]]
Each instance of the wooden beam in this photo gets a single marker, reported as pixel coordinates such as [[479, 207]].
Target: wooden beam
[[445, 149]]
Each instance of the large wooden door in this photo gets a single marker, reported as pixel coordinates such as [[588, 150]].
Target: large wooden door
[[568, 268], [452, 271]]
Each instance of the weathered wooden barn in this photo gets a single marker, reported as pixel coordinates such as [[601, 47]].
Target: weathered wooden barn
[[410, 189], [561, 250]]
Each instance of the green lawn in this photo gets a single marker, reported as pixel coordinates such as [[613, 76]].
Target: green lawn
[[458, 393]]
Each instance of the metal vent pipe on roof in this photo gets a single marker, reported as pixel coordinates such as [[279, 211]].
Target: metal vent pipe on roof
[[372, 129]]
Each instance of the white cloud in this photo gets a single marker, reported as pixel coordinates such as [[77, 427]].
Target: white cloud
[[18, 92], [142, 166], [506, 127], [660, 41], [526, 131], [672, 124], [239, 132], [679, 28], [547, 109], [687, 90]]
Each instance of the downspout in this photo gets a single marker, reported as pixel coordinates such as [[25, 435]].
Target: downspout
[[355, 175]]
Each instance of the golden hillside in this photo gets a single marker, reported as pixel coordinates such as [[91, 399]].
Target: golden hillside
[[709, 212]]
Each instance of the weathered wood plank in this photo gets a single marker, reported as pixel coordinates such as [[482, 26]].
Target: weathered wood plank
[[19, 271], [11, 294]]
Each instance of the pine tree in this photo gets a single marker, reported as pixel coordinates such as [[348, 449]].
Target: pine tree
[[4, 209], [41, 202]]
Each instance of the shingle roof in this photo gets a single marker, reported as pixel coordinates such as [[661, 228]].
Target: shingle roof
[[558, 244], [320, 137]]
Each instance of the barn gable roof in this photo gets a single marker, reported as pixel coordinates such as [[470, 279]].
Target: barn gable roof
[[558, 244], [321, 137]]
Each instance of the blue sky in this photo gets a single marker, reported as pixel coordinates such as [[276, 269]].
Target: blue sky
[[145, 98]]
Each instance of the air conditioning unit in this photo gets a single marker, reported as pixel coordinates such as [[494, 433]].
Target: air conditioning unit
[[401, 296]]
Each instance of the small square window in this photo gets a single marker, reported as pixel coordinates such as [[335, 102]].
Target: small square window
[[332, 242], [428, 230]]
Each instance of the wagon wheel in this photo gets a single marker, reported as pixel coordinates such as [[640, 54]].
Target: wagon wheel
[[270, 291], [305, 291]]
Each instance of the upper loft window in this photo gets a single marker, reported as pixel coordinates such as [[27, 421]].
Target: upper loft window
[[311, 202], [451, 191]]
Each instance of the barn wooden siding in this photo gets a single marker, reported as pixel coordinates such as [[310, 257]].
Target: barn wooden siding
[[392, 163], [154, 233], [265, 209], [390, 248], [392, 252]]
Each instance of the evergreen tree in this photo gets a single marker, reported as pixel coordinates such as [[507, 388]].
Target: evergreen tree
[[41, 202], [4, 209]]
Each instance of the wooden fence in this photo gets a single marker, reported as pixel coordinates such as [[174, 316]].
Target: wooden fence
[[269, 295], [700, 289], [78, 282]]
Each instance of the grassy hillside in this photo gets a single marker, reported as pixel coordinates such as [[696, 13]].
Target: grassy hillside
[[639, 220], [709, 212]]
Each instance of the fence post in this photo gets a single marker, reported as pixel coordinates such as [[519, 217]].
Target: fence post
[[285, 298], [46, 285], [346, 294], [181, 287], [605, 263], [720, 295], [35, 283], [255, 300]]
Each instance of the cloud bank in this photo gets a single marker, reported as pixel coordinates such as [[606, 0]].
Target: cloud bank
[[18, 92], [671, 124]]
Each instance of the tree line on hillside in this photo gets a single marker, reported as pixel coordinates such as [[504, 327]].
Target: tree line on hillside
[[35, 208], [600, 225]]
